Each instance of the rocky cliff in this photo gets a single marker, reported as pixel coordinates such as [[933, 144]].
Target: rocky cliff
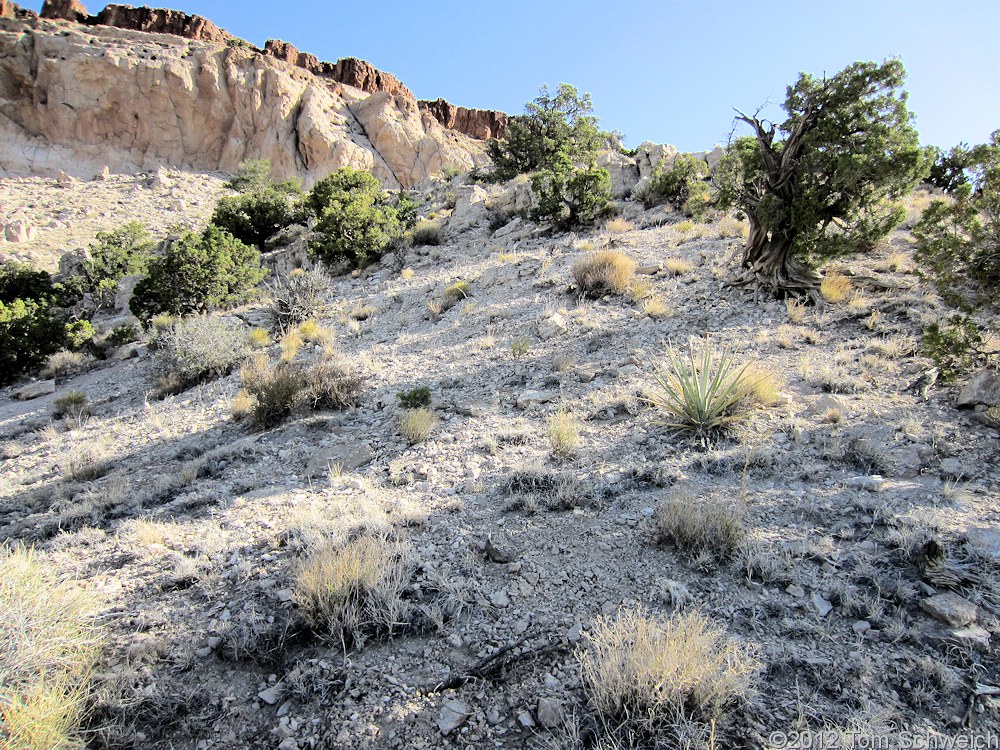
[[76, 97]]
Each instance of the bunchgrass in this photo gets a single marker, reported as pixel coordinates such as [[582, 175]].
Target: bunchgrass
[[416, 425], [49, 643], [564, 433], [604, 272]]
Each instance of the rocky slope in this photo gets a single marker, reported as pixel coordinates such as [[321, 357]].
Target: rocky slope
[[188, 527], [138, 88]]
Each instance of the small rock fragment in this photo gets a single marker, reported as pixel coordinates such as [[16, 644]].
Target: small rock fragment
[[453, 714], [550, 713], [950, 609]]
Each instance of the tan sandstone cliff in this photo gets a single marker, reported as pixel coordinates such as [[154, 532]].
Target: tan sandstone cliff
[[74, 97]]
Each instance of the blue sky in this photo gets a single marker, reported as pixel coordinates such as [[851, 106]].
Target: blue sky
[[660, 71]]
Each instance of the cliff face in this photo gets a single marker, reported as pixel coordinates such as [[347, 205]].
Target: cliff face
[[76, 97]]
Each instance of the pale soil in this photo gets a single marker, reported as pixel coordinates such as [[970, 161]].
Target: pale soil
[[68, 215], [196, 603]]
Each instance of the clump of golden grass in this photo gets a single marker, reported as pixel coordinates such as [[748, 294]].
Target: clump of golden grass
[[678, 266], [730, 227], [619, 225], [355, 590], [258, 338], [796, 310], [835, 287], [564, 433], [314, 333], [49, 642], [699, 525], [417, 425], [655, 307], [290, 345], [764, 384], [649, 674], [604, 272], [407, 274]]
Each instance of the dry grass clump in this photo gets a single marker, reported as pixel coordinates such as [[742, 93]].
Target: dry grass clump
[[271, 393], [730, 227], [85, 462], [604, 272], [764, 384], [65, 363], [678, 266], [835, 287], [619, 225], [647, 675], [355, 590], [417, 425], [291, 344], [796, 310], [534, 489], [73, 406], [656, 308], [48, 645], [314, 333], [258, 338], [699, 525], [426, 233], [702, 392], [564, 433]]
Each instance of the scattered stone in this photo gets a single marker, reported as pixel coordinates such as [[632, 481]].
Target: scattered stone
[[861, 627], [19, 231], [985, 540], [103, 175], [552, 326], [550, 713], [525, 720], [529, 398], [950, 609], [346, 456], [873, 483], [972, 636], [827, 404], [823, 607], [272, 695], [453, 714], [952, 468], [35, 390], [575, 633], [795, 590]]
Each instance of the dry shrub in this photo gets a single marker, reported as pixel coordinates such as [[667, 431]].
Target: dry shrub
[[730, 227], [48, 645], [297, 297], [534, 489], [835, 287], [656, 308], [201, 347], [796, 310], [417, 425], [564, 433], [604, 272], [314, 333], [278, 390], [647, 675], [426, 233], [355, 590], [699, 524], [258, 338], [65, 363]]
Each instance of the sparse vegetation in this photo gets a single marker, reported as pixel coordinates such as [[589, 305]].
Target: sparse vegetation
[[835, 287], [116, 254], [701, 392], [647, 676], [679, 182], [416, 425], [31, 326], [604, 272], [564, 433], [354, 591], [415, 398], [201, 347], [426, 233], [297, 297], [699, 524], [49, 643]]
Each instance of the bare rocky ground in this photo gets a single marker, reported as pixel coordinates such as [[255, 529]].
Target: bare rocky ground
[[188, 526], [64, 215]]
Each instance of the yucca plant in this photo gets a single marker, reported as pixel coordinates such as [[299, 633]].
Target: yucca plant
[[701, 392]]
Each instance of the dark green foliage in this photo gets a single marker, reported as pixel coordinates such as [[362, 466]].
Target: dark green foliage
[[78, 333], [553, 126], [825, 187], [31, 327], [947, 171], [406, 210], [958, 242], [676, 182], [250, 175], [956, 346], [570, 196], [254, 216], [199, 272], [415, 398], [356, 223], [121, 252], [123, 334]]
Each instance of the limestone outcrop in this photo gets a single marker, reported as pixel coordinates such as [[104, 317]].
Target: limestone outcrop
[[477, 123], [65, 10], [162, 21], [6, 9], [75, 98]]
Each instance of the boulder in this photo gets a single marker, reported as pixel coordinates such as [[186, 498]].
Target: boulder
[[624, 172], [6, 9], [950, 609], [35, 390], [984, 388], [73, 262], [19, 231], [470, 209]]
